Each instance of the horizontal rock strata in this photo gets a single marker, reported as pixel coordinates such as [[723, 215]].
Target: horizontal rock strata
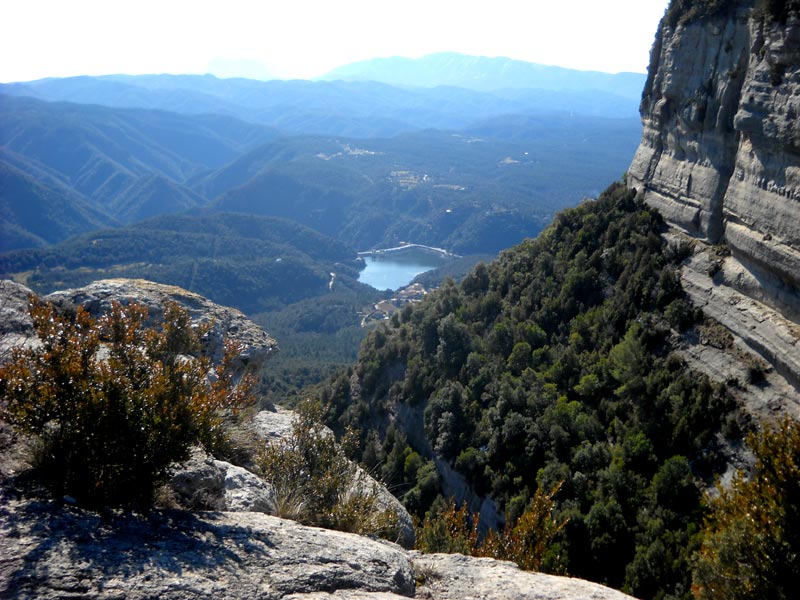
[[720, 159], [720, 151]]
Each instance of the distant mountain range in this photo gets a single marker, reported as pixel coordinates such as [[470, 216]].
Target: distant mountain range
[[474, 190], [252, 193], [374, 99], [486, 74], [70, 168], [148, 171]]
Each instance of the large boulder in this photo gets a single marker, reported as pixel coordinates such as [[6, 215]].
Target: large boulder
[[16, 325], [206, 483], [226, 322]]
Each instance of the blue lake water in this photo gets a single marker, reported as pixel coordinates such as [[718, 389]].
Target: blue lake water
[[395, 272]]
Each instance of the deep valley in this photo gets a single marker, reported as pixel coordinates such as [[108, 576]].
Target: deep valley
[[469, 305]]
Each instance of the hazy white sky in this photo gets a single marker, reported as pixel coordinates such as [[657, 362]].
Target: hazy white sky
[[305, 38]]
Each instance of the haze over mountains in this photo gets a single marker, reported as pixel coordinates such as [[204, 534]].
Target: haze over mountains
[[319, 169], [594, 389], [473, 166], [498, 75], [112, 150]]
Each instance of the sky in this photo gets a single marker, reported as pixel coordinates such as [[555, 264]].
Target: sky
[[306, 38]]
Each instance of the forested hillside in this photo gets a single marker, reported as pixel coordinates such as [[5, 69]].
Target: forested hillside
[[477, 190], [72, 168], [100, 150], [36, 209], [252, 263], [470, 192], [553, 366]]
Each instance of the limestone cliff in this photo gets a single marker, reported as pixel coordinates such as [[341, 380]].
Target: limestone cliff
[[720, 159]]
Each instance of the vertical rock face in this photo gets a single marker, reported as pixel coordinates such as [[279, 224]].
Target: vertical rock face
[[720, 152]]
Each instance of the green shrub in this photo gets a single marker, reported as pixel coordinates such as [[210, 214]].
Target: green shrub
[[450, 529], [686, 11], [316, 484], [526, 542], [114, 403], [751, 541]]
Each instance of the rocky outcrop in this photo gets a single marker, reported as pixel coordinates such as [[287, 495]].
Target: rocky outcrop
[[16, 325], [206, 483], [203, 482], [277, 424], [759, 362], [53, 550], [720, 159], [227, 324], [457, 577], [255, 345]]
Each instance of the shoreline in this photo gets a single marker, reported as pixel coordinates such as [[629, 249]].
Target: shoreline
[[399, 249]]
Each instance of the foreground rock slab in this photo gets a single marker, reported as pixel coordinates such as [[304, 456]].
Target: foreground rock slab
[[50, 551], [457, 577]]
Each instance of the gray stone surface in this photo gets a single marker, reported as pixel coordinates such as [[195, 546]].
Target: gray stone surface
[[761, 335], [720, 151], [16, 326], [227, 323], [52, 550], [457, 577], [209, 484], [720, 159], [275, 424], [49, 551]]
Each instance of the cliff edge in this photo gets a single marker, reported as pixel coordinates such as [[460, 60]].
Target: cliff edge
[[720, 159]]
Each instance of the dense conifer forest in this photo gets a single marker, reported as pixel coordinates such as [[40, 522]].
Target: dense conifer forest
[[554, 366]]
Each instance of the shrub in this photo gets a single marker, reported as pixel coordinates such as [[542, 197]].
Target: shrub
[[451, 530], [316, 484], [751, 540], [687, 11], [526, 542], [114, 403]]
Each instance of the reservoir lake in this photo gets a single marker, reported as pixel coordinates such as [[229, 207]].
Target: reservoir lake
[[396, 270]]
